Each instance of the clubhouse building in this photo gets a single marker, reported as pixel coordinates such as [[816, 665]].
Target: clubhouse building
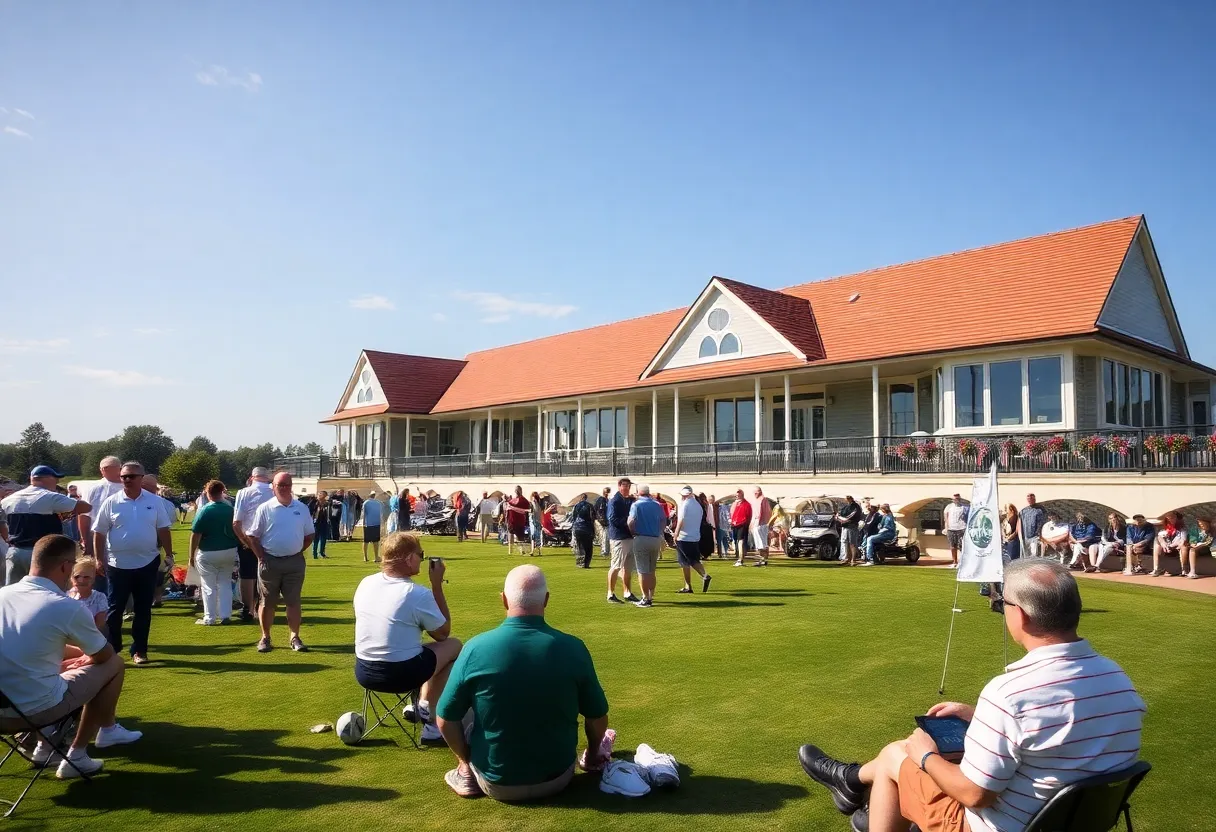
[[1059, 357]]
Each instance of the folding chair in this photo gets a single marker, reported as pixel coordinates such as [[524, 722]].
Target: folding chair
[[1092, 805], [385, 714], [57, 734]]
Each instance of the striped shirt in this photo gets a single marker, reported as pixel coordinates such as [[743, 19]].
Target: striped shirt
[[1061, 714]]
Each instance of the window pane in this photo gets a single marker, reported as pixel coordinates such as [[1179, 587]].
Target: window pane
[[817, 423], [903, 409], [605, 427], [969, 396], [1121, 383], [729, 345], [1108, 391], [1133, 397], [591, 429], [779, 423], [745, 415], [1005, 392], [1146, 394], [724, 421], [1159, 398], [708, 348], [622, 426], [1046, 398]]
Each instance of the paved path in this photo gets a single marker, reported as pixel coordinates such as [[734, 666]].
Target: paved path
[[1205, 585]]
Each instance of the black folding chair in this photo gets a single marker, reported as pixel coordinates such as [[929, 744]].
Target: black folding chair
[[374, 702], [56, 734], [1092, 805]]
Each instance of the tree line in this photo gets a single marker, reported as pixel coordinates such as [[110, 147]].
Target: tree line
[[184, 468]]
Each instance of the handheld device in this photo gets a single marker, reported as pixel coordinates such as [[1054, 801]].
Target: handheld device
[[947, 731]]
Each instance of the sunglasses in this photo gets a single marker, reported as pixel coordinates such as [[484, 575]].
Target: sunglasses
[[130, 476]]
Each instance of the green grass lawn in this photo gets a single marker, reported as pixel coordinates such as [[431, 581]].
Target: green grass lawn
[[731, 682]]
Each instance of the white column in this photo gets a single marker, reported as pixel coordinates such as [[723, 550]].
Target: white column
[[579, 443], [676, 424], [877, 426], [409, 437], [489, 433], [540, 437], [654, 424], [757, 414], [789, 405]]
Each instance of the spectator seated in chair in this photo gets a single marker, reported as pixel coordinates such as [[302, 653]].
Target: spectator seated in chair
[[1141, 535], [1055, 537], [1113, 539], [391, 613], [1085, 540], [1059, 715], [884, 533], [53, 660], [1173, 539]]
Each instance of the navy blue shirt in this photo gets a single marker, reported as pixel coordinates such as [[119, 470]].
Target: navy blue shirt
[[1137, 534], [582, 518], [1084, 532], [618, 517]]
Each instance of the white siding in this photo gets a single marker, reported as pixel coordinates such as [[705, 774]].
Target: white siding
[[754, 338], [851, 412], [692, 423], [373, 384], [1134, 306]]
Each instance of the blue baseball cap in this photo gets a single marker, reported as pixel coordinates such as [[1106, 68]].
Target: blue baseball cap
[[45, 471]]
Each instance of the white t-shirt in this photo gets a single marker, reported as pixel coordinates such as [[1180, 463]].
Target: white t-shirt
[[37, 619], [689, 517], [956, 517], [390, 615], [96, 493], [281, 529], [247, 501], [488, 506], [130, 527], [95, 603]]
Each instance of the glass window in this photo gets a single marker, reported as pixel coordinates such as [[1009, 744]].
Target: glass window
[[418, 444], [969, 396], [903, 409], [621, 439], [1159, 398], [1005, 392], [1125, 416], [718, 319], [745, 420], [1146, 395], [708, 348], [724, 421], [940, 410], [729, 345], [779, 423], [1133, 396], [562, 420], [818, 423], [591, 429], [1108, 392], [365, 376], [605, 440], [1046, 382], [360, 440]]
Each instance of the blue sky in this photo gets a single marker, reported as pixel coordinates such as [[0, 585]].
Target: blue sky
[[196, 199]]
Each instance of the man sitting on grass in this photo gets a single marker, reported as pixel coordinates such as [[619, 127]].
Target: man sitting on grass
[[53, 660], [526, 684], [1061, 714]]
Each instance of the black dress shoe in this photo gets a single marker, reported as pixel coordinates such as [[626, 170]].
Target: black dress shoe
[[860, 820], [832, 775]]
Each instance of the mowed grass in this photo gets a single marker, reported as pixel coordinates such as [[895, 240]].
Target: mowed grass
[[731, 682]]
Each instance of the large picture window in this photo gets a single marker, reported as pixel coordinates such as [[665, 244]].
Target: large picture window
[[607, 427], [563, 423], [360, 440], [1005, 394], [734, 421], [1132, 397], [969, 396], [903, 409]]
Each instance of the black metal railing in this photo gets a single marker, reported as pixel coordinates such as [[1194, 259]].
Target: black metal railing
[[1191, 448]]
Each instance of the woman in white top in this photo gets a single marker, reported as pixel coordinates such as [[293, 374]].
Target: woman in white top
[[391, 612]]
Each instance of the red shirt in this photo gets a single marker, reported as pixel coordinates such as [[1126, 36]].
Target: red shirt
[[518, 519], [741, 513]]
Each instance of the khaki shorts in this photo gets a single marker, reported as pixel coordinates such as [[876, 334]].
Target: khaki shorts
[[282, 576], [924, 803], [622, 554], [485, 522], [645, 554], [84, 683], [532, 792]]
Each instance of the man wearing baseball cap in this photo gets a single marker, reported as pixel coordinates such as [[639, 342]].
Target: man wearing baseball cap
[[33, 513]]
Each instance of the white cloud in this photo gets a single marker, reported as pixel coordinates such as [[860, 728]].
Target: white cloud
[[24, 113], [13, 131], [12, 346], [152, 331], [219, 76], [117, 378], [438, 316], [499, 308], [378, 302]]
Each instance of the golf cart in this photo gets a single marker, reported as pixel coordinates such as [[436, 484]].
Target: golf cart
[[895, 549], [814, 531]]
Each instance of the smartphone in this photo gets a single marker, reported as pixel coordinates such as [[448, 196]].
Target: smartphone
[[947, 731]]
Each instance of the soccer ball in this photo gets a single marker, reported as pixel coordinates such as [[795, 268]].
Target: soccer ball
[[350, 727]]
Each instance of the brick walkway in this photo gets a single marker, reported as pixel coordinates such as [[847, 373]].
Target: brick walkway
[[1205, 585]]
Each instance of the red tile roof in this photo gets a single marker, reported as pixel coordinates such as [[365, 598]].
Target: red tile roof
[[411, 383], [1052, 286]]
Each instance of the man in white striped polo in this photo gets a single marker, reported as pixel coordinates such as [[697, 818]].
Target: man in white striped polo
[[1061, 714]]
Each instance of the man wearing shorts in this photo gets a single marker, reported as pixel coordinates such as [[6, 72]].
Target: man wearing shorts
[[955, 517], [646, 522], [373, 514], [248, 500], [391, 613], [849, 518], [53, 660], [485, 515], [762, 513], [516, 512], [690, 525], [620, 542], [281, 531]]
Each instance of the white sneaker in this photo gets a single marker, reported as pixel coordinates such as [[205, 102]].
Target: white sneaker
[[866, 563], [43, 752], [660, 770], [206, 622], [430, 732], [621, 777], [115, 735], [81, 762], [418, 712]]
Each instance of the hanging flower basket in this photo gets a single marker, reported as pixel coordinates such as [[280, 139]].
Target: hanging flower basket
[[1035, 447], [1210, 443], [1178, 443], [973, 450], [1155, 443], [904, 450], [1057, 445], [930, 449], [1087, 446], [1120, 445]]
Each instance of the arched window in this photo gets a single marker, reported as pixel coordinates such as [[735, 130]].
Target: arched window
[[729, 344], [708, 347]]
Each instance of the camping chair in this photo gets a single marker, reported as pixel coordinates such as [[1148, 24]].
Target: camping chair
[[374, 702], [57, 734], [1092, 805]]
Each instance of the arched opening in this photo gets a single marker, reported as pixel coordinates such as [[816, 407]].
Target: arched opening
[[1067, 510]]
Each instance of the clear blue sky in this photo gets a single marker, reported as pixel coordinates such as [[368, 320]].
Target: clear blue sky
[[193, 194]]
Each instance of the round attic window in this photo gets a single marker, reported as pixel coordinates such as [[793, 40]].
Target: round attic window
[[365, 376], [718, 319]]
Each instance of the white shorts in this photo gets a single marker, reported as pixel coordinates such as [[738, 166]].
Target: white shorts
[[760, 536]]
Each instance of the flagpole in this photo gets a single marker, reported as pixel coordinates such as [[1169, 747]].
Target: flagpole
[[954, 610]]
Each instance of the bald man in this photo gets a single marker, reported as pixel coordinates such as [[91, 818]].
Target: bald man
[[527, 684], [281, 530]]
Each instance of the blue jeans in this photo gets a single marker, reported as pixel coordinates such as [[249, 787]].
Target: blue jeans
[[723, 536], [139, 584], [320, 537], [538, 538], [874, 541]]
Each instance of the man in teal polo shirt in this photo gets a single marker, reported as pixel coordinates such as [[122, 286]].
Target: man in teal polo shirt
[[527, 685]]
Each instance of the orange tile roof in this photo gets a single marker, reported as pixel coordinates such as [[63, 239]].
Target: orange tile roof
[[1050, 286], [343, 415]]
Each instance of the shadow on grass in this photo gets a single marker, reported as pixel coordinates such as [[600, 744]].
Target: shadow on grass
[[763, 593], [252, 665], [724, 603], [190, 756]]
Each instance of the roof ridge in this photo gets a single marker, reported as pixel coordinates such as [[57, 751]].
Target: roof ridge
[[414, 355], [681, 310]]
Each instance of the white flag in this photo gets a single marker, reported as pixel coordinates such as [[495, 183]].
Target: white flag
[[980, 560]]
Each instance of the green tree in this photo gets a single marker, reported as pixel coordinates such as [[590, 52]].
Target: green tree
[[35, 447], [312, 449], [189, 470], [202, 443], [147, 444]]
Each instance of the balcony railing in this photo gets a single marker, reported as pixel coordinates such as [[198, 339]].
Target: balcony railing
[[1129, 451]]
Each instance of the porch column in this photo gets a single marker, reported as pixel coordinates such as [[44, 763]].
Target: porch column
[[409, 437], [676, 424], [877, 427], [654, 424], [540, 437], [489, 432], [757, 413], [579, 441], [786, 415]]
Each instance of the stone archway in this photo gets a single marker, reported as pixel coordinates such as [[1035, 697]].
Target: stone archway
[[1067, 510]]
